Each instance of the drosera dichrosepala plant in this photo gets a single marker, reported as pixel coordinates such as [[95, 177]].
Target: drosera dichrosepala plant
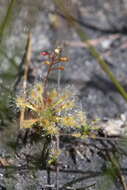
[[51, 112], [49, 108]]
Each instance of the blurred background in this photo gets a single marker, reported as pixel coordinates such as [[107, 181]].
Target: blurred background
[[105, 23]]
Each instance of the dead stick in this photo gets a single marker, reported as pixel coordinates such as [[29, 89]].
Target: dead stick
[[27, 64]]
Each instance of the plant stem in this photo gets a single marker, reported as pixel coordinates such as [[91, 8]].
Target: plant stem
[[47, 77], [46, 81]]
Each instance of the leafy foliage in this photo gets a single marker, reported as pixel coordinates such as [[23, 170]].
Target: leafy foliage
[[58, 109]]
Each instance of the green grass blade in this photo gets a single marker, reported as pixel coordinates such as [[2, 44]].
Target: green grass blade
[[7, 19]]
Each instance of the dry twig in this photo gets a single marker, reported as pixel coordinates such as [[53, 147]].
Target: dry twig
[[27, 64]]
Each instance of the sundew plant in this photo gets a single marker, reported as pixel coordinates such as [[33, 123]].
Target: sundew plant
[[52, 113], [50, 110]]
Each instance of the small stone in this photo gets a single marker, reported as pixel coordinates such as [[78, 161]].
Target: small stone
[[113, 127]]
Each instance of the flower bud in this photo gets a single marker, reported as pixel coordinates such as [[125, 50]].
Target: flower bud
[[63, 59], [58, 50], [47, 62], [44, 53]]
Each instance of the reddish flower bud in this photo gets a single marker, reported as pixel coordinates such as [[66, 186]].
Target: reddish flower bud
[[44, 53]]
